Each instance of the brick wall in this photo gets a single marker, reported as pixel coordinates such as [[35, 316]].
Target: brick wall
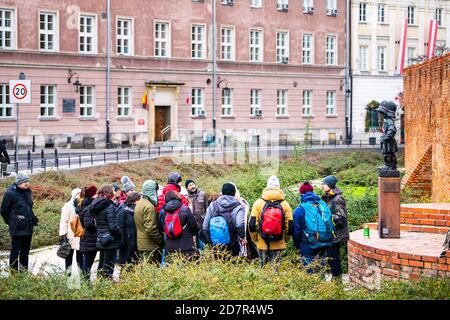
[[427, 132]]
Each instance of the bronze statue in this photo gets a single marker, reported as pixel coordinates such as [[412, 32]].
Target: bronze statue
[[388, 144]]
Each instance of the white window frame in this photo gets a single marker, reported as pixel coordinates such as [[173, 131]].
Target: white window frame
[[227, 103], [12, 29], [46, 32], [409, 58], [331, 52], [362, 17], [282, 102], [331, 103], [121, 38], [255, 101], [4, 106], [86, 106], [231, 51], [256, 3], [306, 49], [411, 15], [46, 105], [363, 63], [197, 95], [279, 49], [331, 5], [307, 103], [196, 42], [381, 13], [308, 4], [439, 17], [167, 40], [280, 4], [122, 106], [93, 34], [253, 47], [381, 59]]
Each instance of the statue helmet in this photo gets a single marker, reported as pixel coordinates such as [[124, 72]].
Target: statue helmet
[[388, 108]]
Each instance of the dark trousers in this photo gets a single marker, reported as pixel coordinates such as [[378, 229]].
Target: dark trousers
[[323, 256], [334, 260], [88, 261], [79, 259], [20, 249], [107, 262], [152, 257]]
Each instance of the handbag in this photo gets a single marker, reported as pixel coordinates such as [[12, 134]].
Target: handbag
[[75, 225], [64, 249], [105, 239]]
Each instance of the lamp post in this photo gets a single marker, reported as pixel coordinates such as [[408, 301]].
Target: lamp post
[[16, 157], [214, 40], [108, 71]]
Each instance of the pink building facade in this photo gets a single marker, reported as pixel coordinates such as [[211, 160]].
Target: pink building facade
[[277, 68]]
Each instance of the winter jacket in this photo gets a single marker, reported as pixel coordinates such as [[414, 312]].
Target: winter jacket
[[199, 201], [185, 242], [338, 208], [169, 187], [88, 242], [237, 217], [4, 157], [67, 213], [299, 236], [270, 194], [17, 211], [127, 226], [149, 235], [104, 211]]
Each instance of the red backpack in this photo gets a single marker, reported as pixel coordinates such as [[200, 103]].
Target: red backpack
[[271, 222], [172, 224]]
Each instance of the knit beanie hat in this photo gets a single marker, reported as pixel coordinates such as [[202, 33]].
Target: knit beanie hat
[[90, 191], [228, 189], [306, 187], [128, 185], [188, 182], [75, 193], [174, 177], [21, 178], [330, 181], [273, 182]]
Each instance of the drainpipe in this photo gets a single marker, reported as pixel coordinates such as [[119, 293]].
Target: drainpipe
[[214, 40], [108, 70], [348, 85]]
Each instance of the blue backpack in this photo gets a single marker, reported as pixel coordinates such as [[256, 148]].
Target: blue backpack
[[221, 228], [319, 229]]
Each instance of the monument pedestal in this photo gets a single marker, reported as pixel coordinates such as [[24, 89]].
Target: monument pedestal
[[389, 207]]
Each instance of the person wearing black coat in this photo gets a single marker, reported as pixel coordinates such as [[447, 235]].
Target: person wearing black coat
[[4, 158], [108, 233], [17, 212], [185, 242], [88, 242], [127, 226]]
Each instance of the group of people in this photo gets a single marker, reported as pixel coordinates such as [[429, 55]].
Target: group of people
[[126, 226]]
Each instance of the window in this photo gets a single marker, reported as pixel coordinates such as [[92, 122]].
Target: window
[[123, 101], [227, 101], [198, 41], [307, 49], [331, 50], [363, 58], [227, 2], [124, 36], [48, 101], [256, 53], [6, 108], [306, 110], [381, 13], [256, 3], [381, 58], [282, 47], [88, 41], [47, 31], [411, 15], [411, 56], [6, 29], [227, 43], [438, 16], [162, 39], [308, 5], [281, 102], [282, 5], [197, 101], [331, 6], [331, 103], [362, 12], [86, 101], [255, 101]]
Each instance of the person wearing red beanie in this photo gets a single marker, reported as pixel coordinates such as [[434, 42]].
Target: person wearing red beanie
[[305, 187]]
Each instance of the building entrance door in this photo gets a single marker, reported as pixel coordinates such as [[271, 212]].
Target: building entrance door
[[162, 123]]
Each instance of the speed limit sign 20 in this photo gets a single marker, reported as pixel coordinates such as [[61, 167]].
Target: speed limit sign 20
[[20, 91]]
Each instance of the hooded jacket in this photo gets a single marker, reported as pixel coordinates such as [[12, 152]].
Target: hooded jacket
[[338, 208], [223, 203], [149, 235], [270, 194], [199, 201], [185, 242], [17, 211], [88, 242], [67, 213], [127, 226], [104, 211], [171, 187]]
